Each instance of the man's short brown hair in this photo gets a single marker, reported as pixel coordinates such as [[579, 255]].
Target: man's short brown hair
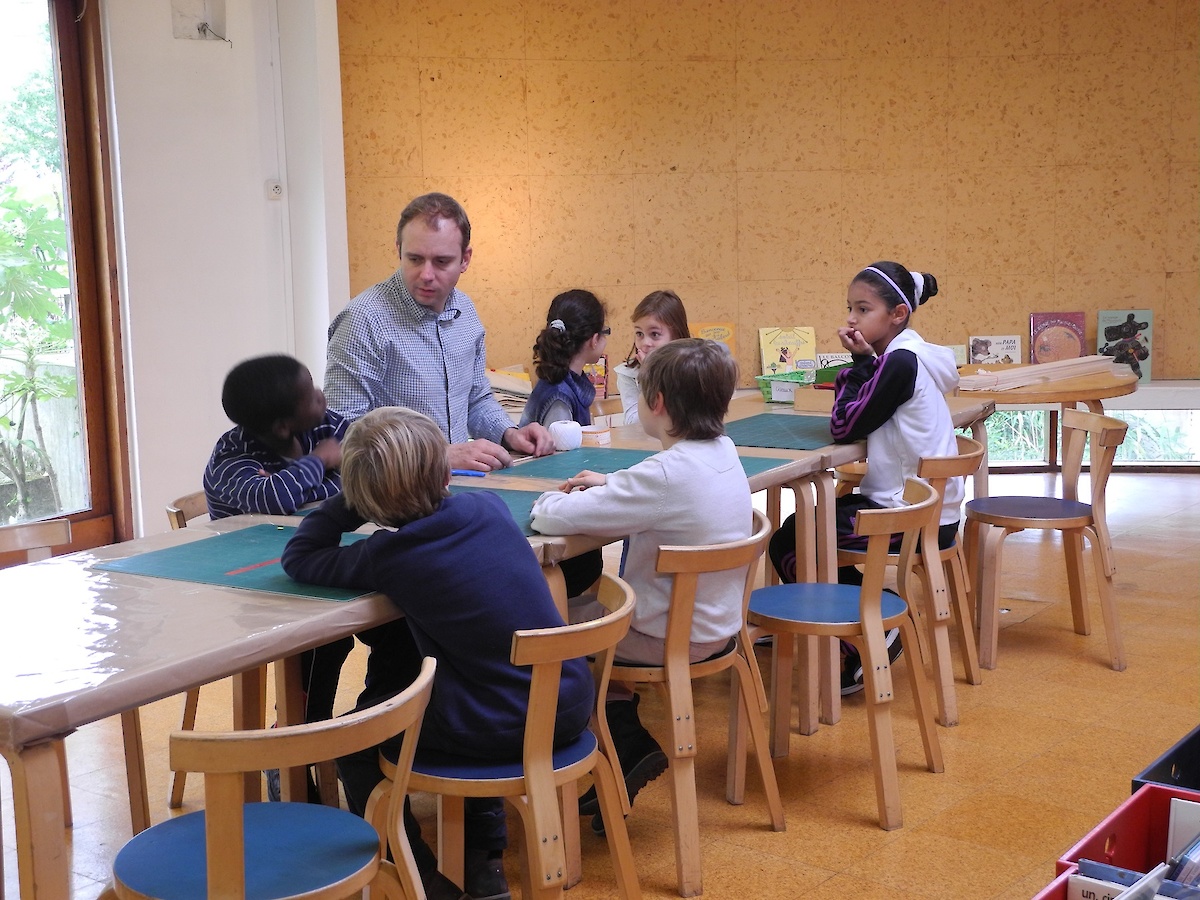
[[430, 208], [395, 465], [696, 379]]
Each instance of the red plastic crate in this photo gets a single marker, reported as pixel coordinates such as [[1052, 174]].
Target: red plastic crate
[[1057, 889], [1134, 835]]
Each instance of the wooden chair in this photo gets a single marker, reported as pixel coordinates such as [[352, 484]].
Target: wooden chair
[[943, 586], [185, 508], [847, 477], [35, 540], [674, 679], [179, 513], [532, 784], [863, 616], [991, 519], [236, 849], [606, 406]]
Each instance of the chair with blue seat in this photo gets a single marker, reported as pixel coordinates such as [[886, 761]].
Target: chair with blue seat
[[236, 849], [532, 783], [862, 616], [944, 585], [989, 520]]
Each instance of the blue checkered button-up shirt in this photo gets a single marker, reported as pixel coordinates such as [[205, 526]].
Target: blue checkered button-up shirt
[[385, 349]]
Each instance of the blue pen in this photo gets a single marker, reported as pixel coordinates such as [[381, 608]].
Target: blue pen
[[471, 472]]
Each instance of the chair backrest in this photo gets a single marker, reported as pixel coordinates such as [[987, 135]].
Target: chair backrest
[[223, 757], [937, 470], [189, 506], [35, 538], [1104, 434], [878, 526], [545, 649], [687, 564], [606, 406]]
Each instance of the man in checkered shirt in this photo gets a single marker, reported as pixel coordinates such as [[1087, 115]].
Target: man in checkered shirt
[[415, 340]]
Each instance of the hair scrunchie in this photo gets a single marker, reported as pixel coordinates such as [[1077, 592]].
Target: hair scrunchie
[[919, 281], [558, 325]]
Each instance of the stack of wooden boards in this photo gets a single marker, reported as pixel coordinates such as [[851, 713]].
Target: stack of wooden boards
[[1003, 378]]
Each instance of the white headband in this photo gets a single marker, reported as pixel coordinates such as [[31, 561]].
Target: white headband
[[920, 282], [558, 325]]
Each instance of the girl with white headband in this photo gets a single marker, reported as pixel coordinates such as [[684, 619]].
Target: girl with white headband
[[893, 397]]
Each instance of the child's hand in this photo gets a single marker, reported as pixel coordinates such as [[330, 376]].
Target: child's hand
[[329, 451], [583, 481], [853, 341]]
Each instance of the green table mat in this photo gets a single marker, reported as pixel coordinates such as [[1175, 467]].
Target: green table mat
[[247, 558], [780, 431], [519, 503], [606, 460]]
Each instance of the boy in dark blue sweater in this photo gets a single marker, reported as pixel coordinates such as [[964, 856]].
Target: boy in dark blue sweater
[[465, 577]]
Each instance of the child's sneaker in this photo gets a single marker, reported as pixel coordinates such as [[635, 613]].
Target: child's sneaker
[[484, 877], [894, 649], [852, 674], [893, 645]]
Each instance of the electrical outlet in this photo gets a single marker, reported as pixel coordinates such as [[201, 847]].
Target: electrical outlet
[[274, 189]]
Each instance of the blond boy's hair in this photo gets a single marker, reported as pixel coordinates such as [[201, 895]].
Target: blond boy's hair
[[395, 465]]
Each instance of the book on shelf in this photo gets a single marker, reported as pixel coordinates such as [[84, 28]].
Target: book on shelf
[[788, 349], [960, 353], [828, 360], [995, 348], [597, 374], [1056, 335], [721, 332], [1127, 335]]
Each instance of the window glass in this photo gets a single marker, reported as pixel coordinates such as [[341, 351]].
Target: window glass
[[43, 450]]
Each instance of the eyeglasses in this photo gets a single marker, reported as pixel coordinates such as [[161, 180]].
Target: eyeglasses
[[606, 330]]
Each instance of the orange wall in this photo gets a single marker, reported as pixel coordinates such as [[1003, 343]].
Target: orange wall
[[754, 154]]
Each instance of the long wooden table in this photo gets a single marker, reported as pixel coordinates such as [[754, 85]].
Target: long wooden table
[[81, 644]]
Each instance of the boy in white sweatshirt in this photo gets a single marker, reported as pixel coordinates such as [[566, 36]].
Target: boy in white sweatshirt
[[693, 492]]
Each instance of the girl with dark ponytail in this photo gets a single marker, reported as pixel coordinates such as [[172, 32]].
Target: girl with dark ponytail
[[575, 336]]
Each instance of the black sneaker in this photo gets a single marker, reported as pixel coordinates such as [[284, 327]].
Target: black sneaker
[[893, 645], [894, 649], [852, 674], [640, 757], [484, 878], [439, 887]]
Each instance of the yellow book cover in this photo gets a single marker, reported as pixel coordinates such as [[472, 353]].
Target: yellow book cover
[[722, 332], [788, 349]]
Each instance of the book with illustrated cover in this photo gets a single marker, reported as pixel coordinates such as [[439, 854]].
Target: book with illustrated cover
[[722, 332], [1055, 335], [788, 349], [1127, 336], [960, 353], [597, 374], [995, 348], [828, 360]]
